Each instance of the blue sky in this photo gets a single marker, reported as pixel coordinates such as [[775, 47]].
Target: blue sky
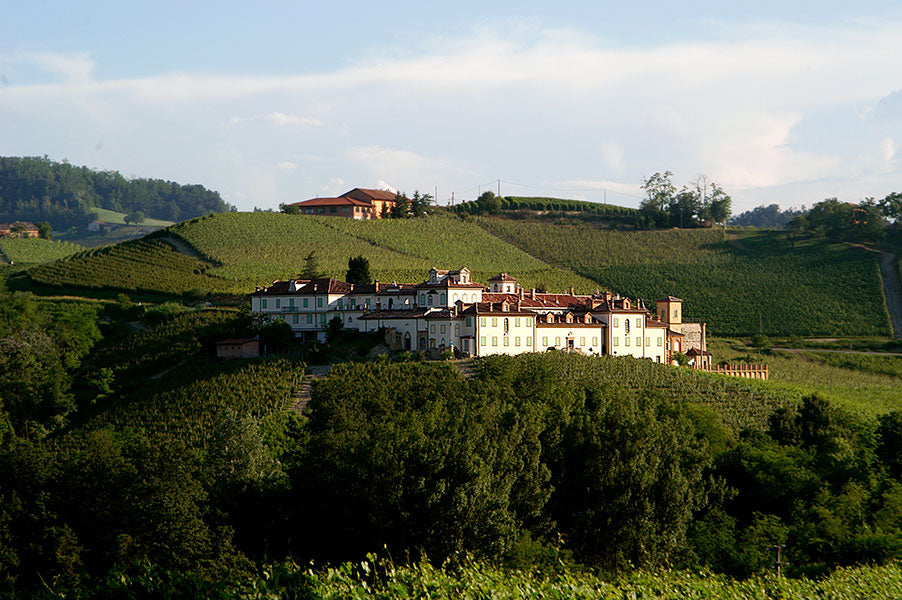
[[273, 102]]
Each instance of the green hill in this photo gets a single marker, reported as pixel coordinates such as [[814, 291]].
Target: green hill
[[755, 279], [34, 250], [118, 218]]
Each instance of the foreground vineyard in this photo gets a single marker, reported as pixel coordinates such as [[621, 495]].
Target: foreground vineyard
[[759, 281]]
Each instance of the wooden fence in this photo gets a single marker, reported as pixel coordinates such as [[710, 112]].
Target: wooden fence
[[745, 371]]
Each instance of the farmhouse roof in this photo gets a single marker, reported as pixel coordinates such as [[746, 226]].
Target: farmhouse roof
[[340, 201], [669, 299], [367, 195]]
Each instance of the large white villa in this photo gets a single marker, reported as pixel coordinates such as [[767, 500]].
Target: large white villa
[[450, 311]]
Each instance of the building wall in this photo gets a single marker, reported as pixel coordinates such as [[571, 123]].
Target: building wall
[[587, 338], [493, 338]]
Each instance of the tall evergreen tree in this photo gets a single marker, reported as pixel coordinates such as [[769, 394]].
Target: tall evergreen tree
[[359, 270]]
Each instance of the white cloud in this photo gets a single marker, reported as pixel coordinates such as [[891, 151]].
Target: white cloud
[[530, 105]]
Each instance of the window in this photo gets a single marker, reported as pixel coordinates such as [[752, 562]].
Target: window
[[507, 341], [648, 341], [582, 341], [639, 322], [676, 313], [616, 341], [264, 303], [545, 341], [528, 321], [482, 341], [291, 303], [626, 325], [423, 299], [278, 302], [659, 342], [494, 340], [469, 322], [340, 304], [443, 329], [517, 341], [494, 321], [322, 318], [306, 302], [594, 341], [516, 321], [310, 318], [319, 302], [367, 302], [638, 342], [432, 328], [616, 322], [626, 340], [557, 341], [529, 341], [507, 325], [482, 321], [294, 319]]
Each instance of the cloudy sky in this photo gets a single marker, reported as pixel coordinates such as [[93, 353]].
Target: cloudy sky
[[273, 102]]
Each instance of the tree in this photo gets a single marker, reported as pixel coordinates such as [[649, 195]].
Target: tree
[[134, 218], [659, 194], [311, 269], [359, 271], [44, 230], [719, 207], [290, 209], [399, 207], [488, 203], [420, 203]]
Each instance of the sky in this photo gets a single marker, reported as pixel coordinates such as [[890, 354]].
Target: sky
[[274, 102]]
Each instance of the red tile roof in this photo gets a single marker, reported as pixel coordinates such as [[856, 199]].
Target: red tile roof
[[366, 195], [331, 202]]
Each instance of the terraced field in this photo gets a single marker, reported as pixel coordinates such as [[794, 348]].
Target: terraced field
[[758, 280], [22, 251], [260, 247]]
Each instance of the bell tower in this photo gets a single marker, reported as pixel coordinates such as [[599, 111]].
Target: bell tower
[[670, 311]]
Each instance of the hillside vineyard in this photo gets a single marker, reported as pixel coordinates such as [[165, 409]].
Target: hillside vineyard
[[449, 311]]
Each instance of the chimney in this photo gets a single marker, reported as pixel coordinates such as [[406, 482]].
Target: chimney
[[571, 290], [532, 293], [520, 289]]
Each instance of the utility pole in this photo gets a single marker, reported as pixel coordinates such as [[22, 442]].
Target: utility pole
[[499, 188], [605, 195], [779, 563]]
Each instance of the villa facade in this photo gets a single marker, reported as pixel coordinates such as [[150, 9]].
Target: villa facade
[[450, 311]]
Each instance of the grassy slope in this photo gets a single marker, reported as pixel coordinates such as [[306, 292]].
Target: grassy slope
[[865, 384], [817, 288], [118, 218], [35, 250], [261, 247]]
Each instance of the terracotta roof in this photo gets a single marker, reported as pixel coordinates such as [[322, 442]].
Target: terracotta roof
[[394, 314], [448, 283], [512, 298], [322, 285], [381, 287], [502, 277], [696, 352], [234, 341], [332, 202], [366, 195], [654, 323], [668, 299]]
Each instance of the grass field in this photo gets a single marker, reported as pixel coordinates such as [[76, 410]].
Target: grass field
[[118, 218], [865, 384], [21, 251], [816, 288]]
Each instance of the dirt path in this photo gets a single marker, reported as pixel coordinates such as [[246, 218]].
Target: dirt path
[[733, 239], [304, 393], [892, 290], [184, 247]]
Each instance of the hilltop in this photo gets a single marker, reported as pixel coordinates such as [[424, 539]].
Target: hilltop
[[752, 280], [67, 196]]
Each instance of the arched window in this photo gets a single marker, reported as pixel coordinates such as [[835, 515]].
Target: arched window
[[626, 324], [442, 300], [407, 341], [430, 300], [422, 299], [506, 325], [457, 330]]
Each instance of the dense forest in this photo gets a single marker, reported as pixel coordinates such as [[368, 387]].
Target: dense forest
[[767, 217], [39, 189], [132, 462]]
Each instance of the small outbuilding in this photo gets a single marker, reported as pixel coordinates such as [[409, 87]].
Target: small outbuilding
[[238, 348]]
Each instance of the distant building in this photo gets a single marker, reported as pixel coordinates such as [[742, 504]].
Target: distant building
[[450, 311], [358, 203], [238, 348], [100, 226], [21, 229]]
